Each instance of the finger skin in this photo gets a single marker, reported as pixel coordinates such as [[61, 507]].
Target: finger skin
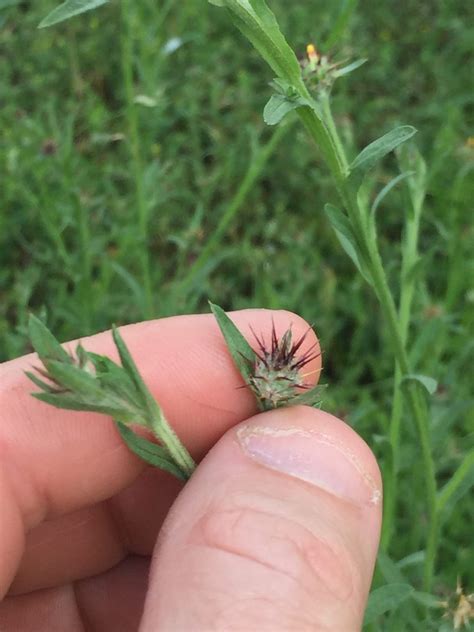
[[55, 462], [109, 602], [249, 547]]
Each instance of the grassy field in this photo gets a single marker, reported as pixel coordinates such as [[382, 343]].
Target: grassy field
[[139, 180]]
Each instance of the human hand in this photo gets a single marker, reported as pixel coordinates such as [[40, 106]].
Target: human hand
[[277, 529]]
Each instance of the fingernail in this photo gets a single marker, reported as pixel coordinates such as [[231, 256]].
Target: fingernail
[[312, 456]]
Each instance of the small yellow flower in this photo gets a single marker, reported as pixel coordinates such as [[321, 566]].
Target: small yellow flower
[[312, 53]]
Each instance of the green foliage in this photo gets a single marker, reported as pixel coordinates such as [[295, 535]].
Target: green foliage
[[345, 233], [69, 9], [94, 383], [258, 24], [370, 156], [215, 181], [385, 599]]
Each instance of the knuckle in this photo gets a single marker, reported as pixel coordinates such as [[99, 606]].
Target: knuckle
[[289, 566]]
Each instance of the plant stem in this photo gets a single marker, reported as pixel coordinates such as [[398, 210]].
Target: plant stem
[[407, 290], [142, 246], [171, 441], [365, 233]]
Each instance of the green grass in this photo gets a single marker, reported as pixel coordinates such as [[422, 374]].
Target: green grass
[[229, 211]]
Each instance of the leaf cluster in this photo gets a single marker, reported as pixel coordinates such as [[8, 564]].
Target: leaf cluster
[[86, 381]]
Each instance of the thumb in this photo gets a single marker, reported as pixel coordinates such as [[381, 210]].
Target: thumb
[[278, 529]]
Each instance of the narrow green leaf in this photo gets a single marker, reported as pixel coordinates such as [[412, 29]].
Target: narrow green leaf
[[460, 483], [73, 378], [150, 452], [44, 343], [341, 23], [69, 9], [345, 234], [71, 402], [428, 383], [258, 24], [387, 188], [113, 378], [278, 107], [389, 569], [129, 364], [410, 160], [44, 386], [368, 157], [427, 600], [384, 599], [345, 70], [240, 350], [155, 415], [417, 558], [311, 397]]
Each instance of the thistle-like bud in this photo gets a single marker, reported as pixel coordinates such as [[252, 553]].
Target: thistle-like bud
[[276, 377]]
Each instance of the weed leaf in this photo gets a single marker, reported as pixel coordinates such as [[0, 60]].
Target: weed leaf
[[345, 70], [384, 599], [410, 160], [277, 107], [312, 397], [387, 188], [69, 9], [44, 343], [461, 482], [427, 600], [150, 452], [258, 24], [368, 157], [242, 353], [343, 229], [428, 383]]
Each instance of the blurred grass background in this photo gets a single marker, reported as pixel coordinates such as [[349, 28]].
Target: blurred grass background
[[129, 133]]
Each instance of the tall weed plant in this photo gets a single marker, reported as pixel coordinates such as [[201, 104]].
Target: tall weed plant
[[304, 89]]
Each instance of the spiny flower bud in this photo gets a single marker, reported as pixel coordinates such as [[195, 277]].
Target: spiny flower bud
[[459, 607], [276, 374]]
